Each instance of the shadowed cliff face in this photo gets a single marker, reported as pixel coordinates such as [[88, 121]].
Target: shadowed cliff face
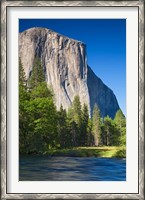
[[100, 94], [65, 66]]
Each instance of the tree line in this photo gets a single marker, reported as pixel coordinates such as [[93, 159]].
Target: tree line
[[43, 127]]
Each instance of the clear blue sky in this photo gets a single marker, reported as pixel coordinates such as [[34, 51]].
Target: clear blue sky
[[106, 47]]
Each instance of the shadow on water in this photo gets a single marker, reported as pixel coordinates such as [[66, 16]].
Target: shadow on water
[[35, 168]]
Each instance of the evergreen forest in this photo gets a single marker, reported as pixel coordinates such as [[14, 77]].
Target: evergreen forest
[[42, 127]]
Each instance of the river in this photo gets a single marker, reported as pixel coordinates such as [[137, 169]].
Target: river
[[36, 168]]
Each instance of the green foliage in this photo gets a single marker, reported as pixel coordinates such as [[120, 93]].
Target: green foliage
[[96, 129], [43, 129], [37, 115], [37, 75], [76, 110], [43, 121], [23, 102], [22, 76], [90, 138], [110, 136], [23, 95], [75, 121], [63, 134], [84, 135], [42, 91], [120, 122], [113, 132], [120, 118], [79, 124], [118, 152]]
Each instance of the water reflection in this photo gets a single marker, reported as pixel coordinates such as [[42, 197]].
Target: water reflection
[[71, 169]]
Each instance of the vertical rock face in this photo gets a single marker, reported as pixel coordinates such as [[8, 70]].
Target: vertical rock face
[[65, 66], [101, 95]]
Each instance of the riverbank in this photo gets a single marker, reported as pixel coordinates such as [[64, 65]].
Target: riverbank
[[104, 152]]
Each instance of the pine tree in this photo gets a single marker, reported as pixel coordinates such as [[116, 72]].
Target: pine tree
[[41, 91], [75, 121], [37, 75], [62, 128], [43, 121], [40, 112], [84, 128], [120, 121], [107, 132], [96, 129], [110, 133], [22, 76], [90, 136], [23, 102], [76, 107]]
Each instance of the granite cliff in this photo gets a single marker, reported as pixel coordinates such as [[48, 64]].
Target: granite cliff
[[66, 70]]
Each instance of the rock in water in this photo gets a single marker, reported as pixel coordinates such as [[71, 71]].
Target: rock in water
[[66, 70]]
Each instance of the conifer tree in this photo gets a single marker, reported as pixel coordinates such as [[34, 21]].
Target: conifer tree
[[41, 113], [76, 109], [75, 121], [63, 135], [110, 133], [23, 102], [96, 129], [120, 121], [90, 136], [84, 128], [37, 74], [22, 76]]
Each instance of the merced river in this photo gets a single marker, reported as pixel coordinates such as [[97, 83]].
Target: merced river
[[37, 168]]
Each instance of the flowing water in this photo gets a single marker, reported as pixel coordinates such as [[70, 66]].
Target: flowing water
[[35, 168]]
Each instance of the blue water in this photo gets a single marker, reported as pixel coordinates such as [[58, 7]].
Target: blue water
[[35, 168]]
